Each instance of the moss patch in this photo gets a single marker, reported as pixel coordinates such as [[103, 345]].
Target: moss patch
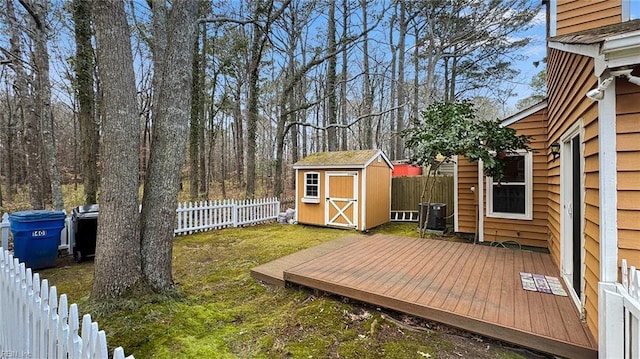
[[220, 312]]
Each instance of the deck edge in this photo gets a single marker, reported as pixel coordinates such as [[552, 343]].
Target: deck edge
[[515, 336]]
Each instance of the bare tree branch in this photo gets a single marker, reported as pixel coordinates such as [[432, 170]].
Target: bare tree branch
[[340, 125], [35, 16], [217, 19]]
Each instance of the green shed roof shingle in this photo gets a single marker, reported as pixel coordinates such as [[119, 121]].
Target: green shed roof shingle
[[338, 158]]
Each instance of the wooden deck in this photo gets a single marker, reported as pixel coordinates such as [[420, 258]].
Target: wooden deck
[[473, 287], [273, 272]]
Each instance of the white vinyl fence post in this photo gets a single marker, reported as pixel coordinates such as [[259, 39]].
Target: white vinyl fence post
[[612, 339], [67, 235], [5, 231], [234, 213]]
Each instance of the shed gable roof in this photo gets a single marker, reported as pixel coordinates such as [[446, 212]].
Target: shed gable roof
[[341, 159]]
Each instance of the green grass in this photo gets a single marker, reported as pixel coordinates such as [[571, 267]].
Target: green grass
[[221, 312]]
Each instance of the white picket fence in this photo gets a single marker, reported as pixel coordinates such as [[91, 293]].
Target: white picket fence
[[204, 216], [36, 323], [190, 218], [622, 317]]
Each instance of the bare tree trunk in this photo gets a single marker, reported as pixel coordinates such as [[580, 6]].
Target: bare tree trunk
[[452, 84], [280, 136], [402, 33], [204, 184], [118, 262], [394, 85], [196, 123], [289, 173], [416, 73], [332, 108], [31, 129], [259, 39], [146, 143], [302, 90], [323, 115], [214, 128], [252, 107], [238, 139], [368, 95], [84, 68], [168, 147], [343, 78], [10, 157], [223, 165], [38, 11], [294, 130]]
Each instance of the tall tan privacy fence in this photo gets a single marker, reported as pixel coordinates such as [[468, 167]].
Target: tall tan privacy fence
[[406, 191]]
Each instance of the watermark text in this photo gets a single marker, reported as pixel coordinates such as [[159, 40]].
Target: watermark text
[[7, 354]]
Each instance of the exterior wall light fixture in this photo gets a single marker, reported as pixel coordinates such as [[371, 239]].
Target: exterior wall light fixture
[[555, 150]]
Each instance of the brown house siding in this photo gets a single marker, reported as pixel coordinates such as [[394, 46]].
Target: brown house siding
[[578, 15], [527, 232], [467, 200], [628, 149], [570, 76]]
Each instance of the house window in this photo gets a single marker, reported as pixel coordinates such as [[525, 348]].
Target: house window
[[311, 187], [512, 195]]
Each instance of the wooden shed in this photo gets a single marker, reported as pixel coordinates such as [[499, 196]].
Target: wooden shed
[[344, 189]]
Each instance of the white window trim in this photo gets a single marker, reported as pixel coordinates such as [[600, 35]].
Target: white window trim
[[310, 199], [528, 191]]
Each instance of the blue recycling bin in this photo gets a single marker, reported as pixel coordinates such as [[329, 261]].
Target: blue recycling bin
[[36, 235]]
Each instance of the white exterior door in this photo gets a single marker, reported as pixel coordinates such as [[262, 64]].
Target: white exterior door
[[341, 203], [572, 204]]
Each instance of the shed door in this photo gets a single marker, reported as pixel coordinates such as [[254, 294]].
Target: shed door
[[341, 207]]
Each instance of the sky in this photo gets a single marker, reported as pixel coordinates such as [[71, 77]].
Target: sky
[[534, 52]]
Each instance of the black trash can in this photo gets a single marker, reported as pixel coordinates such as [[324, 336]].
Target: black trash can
[[437, 216], [85, 229]]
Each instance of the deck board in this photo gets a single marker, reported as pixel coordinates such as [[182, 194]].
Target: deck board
[[551, 310], [435, 294], [273, 272], [368, 271], [457, 288], [536, 309], [339, 267], [394, 277], [479, 298], [472, 287], [506, 314], [469, 289], [382, 274], [521, 297]]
